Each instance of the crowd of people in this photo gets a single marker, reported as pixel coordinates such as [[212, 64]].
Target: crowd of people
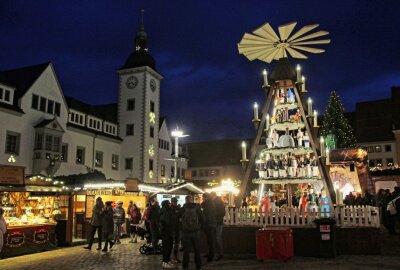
[[171, 223]]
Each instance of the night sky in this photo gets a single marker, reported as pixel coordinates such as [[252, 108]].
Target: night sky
[[208, 88]]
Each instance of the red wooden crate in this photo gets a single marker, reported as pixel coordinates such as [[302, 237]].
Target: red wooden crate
[[274, 243]]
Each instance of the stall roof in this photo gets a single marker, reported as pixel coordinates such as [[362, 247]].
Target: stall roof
[[170, 187]]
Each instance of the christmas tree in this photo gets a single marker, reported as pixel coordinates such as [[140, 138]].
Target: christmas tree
[[336, 123]]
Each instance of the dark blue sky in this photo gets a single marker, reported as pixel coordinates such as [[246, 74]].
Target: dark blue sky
[[208, 88]]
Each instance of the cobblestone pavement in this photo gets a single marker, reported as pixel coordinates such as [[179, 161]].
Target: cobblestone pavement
[[127, 256]]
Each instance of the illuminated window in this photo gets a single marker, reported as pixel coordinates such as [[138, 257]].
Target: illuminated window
[[64, 152], [80, 155], [162, 170], [114, 162], [99, 159], [389, 162], [378, 148], [379, 163]]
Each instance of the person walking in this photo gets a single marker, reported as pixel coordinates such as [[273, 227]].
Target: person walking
[[134, 217], [192, 220], [96, 223], [210, 224], [220, 214], [108, 226], [154, 220], [166, 229], [176, 228], [3, 228], [119, 219]]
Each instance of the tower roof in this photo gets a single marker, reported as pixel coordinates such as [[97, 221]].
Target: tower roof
[[141, 56], [283, 70]]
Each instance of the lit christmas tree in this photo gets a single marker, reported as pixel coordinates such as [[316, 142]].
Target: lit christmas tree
[[336, 123]]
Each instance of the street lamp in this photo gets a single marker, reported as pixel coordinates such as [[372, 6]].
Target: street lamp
[[177, 133]]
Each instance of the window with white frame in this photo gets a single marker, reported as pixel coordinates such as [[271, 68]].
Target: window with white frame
[[99, 159], [6, 95], [114, 162], [12, 142], [80, 155]]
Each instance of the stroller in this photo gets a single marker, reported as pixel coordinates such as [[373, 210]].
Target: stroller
[[147, 248]]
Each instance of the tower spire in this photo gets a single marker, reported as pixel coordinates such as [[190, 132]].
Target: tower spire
[[141, 36], [142, 20]]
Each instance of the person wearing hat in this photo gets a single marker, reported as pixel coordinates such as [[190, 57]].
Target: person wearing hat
[[96, 223], [119, 219]]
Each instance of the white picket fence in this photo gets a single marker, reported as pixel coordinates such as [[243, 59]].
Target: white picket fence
[[345, 216]]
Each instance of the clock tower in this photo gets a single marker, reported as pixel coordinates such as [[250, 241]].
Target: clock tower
[[138, 112]]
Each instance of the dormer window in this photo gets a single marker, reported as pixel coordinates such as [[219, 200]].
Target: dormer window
[[6, 95], [46, 105]]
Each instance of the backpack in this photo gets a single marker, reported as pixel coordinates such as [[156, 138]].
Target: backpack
[[165, 218], [190, 220]]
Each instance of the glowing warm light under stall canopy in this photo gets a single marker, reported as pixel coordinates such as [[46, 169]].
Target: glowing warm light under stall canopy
[[226, 186]]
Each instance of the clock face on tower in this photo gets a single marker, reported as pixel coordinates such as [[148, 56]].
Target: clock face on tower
[[131, 82], [153, 85]]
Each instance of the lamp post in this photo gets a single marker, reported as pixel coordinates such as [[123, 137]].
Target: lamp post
[[177, 133]]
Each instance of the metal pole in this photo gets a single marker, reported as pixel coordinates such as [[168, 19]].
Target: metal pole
[[176, 158]]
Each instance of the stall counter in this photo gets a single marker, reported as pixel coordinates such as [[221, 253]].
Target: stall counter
[[27, 239]]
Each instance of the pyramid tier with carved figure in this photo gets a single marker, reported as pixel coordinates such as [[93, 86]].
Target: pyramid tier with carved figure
[[291, 125], [289, 106], [301, 150], [283, 181]]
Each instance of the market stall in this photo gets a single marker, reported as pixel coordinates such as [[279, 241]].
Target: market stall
[[168, 190], [31, 213], [84, 197]]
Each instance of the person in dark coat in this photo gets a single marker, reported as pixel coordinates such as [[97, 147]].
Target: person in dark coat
[[192, 219], [108, 226], [166, 229], [177, 228], [154, 222], [96, 223], [219, 214], [210, 224]]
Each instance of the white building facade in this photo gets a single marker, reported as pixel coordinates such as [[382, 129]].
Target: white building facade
[[53, 135]]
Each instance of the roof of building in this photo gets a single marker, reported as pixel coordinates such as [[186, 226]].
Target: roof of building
[[215, 153], [108, 112], [22, 78], [44, 123], [161, 122]]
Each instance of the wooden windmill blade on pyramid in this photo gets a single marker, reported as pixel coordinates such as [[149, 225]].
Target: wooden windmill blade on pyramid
[[264, 44]]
